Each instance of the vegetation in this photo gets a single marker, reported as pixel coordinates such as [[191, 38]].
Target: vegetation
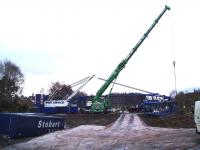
[[175, 120], [11, 81], [185, 101], [59, 90]]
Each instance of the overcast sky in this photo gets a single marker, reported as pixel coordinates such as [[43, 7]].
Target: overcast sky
[[67, 40]]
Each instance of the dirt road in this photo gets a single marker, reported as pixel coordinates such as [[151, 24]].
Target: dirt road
[[128, 132]]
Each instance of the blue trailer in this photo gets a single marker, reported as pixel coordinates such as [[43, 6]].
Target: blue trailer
[[19, 125], [158, 105]]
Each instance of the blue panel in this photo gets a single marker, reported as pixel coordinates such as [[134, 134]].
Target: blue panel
[[4, 123], [39, 109], [62, 109], [50, 110], [73, 109], [66, 110], [45, 97], [27, 124], [38, 99]]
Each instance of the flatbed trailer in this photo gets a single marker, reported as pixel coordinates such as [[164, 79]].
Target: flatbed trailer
[[21, 125]]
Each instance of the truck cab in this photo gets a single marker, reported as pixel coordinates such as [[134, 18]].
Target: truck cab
[[197, 116]]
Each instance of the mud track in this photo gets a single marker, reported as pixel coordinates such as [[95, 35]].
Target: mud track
[[128, 132]]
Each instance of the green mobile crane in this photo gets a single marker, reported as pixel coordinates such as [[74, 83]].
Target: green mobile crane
[[100, 104]]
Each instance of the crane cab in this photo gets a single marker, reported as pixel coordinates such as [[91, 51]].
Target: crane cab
[[197, 116]]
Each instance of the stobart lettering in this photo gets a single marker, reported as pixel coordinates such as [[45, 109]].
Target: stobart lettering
[[48, 124]]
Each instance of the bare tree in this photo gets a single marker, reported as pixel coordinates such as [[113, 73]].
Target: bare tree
[[11, 80], [59, 90]]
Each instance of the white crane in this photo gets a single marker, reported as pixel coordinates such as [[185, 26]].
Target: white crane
[[65, 101]]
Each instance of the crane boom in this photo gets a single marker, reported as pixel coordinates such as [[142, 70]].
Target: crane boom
[[66, 100], [75, 92], [97, 104]]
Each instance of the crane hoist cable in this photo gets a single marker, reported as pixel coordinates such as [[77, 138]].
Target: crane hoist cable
[[172, 43]]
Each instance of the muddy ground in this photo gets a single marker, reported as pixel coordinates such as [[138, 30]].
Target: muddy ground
[[128, 132], [175, 120], [74, 120]]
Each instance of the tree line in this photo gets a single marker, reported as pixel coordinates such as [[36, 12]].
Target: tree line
[[12, 100], [185, 101]]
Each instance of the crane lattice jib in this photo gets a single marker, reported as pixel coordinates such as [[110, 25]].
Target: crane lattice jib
[[124, 61]]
